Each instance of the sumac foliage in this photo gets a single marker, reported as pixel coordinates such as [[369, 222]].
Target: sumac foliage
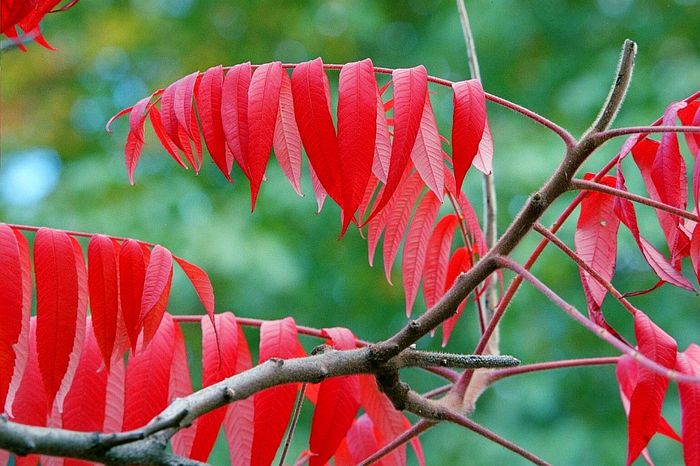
[[87, 342]]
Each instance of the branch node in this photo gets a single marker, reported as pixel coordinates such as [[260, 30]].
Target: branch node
[[320, 349], [229, 394], [414, 325], [278, 362]]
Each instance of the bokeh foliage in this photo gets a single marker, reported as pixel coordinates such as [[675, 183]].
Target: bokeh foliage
[[60, 169]]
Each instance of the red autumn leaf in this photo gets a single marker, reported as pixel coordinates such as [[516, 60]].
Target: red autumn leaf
[[132, 273], [234, 112], [336, 406], [388, 422], [114, 403], [103, 256], [382, 149], [239, 420], [148, 377], [483, 160], [688, 362], [31, 405], [219, 358], [165, 141], [357, 128], [437, 258], [644, 153], [11, 305], [263, 104], [695, 251], [152, 321], [668, 170], [647, 398], [427, 152], [414, 251], [81, 322], [312, 111], [410, 92], [158, 274], [273, 407], [468, 122], [201, 283], [84, 405], [626, 213], [319, 193], [467, 214], [690, 116], [398, 213], [286, 140], [180, 385], [21, 347], [361, 440], [57, 305], [596, 244], [208, 99], [172, 127], [134, 141], [460, 262]]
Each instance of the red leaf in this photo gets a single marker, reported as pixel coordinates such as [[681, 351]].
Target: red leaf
[[84, 405], [336, 406], [152, 320], [201, 283], [414, 251], [626, 213], [688, 362], [57, 305], [180, 386], [287, 141], [644, 154], [11, 305], [382, 150], [319, 193], [158, 275], [695, 251], [398, 213], [172, 127], [103, 256], [361, 440], [134, 141], [668, 170], [208, 100], [596, 244], [484, 157], [273, 407], [647, 398], [263, 104], [312, 111], [437, 257], [234, 112], [114, 404], [148, 377], [410, 91], [163, 137], [31, 406], [21, 347], [427, 152], [460, 262], [132, 273], [81, 320], [468, 122], [357, 128], [690, 116], [239, 420], [218, 362], [388, 422]]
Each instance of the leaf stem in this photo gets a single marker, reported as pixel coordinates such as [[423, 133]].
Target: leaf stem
[[414, 431], [592, 186], [594, 328], [293, 424], [615, 132], [550, 365]]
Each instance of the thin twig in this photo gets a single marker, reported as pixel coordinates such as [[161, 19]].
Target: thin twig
[[293, 424], [615, 132], [592, 186], [618, 90], [549, 365], [413, 431], [594, 328]]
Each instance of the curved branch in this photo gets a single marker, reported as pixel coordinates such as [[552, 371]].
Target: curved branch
[[613, 133], [550, 365]]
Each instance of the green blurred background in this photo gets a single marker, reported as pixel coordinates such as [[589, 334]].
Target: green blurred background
[[60, 169]]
